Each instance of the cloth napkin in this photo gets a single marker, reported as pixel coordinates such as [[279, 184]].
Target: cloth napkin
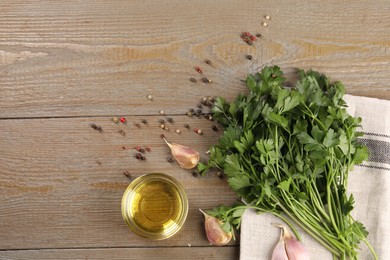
[[368, 182]]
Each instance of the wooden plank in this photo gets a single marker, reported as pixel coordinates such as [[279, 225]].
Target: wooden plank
[[67, 58], [223, 253], [61, 181]]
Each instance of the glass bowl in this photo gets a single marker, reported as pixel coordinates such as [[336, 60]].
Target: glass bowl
[[155, 206]]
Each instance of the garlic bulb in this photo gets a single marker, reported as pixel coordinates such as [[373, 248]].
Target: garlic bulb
[[288, 247], [187, 158], [215, 234]]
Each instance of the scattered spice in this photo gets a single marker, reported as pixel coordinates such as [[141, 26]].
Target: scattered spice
[[220, 175], [199, 105], [258, 35], [195, 173], [191, 110], [123, 120], [150, 97], [148, 149], [123, 133], [198, 131], [178, 131], [127, 174], [161, 121], [189, 114], [187, 126], [162, 136], [265, 24], [96, 127], [249, 57], [115, 120], [198, 69], [138, 156], [248, 38], [162, 112], [193, 80], [207, 61], [138, 148], [206, 80], [144, 121], [170, 120], [142, 150], [137, 125], [199, 111], [267, 17], [99, 162], [162, 126], [123, 147], [170, 160], [215, 128]]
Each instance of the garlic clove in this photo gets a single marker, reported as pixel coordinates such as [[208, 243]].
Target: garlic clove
[[279, 252], [186, 157], [215, 234], [294, 249]]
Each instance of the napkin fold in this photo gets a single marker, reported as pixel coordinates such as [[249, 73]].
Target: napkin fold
[[369, 183]]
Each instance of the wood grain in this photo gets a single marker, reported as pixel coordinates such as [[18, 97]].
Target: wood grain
[[225, 253], [101, 58], [61, 181]]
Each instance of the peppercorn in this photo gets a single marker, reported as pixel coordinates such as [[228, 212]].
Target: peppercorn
[[193, 80], [195, 173], [123, 120], [162, 136], [148, 149], [207, 61], [249, 57], [187, 126], [215, 128], [123, 133], [161, 121], [96, 127], [144, 121], [170, 160], [206, 80], [127, 174], [170, 120], [198, 69]]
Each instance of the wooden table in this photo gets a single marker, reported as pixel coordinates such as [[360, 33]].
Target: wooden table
[[67, 64]]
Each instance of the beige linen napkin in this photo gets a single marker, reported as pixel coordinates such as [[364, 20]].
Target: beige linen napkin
[[368, 182]]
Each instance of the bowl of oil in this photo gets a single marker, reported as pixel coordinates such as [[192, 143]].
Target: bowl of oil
[[155, 206]]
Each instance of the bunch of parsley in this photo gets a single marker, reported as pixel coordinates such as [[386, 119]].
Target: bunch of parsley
[[288, 151]]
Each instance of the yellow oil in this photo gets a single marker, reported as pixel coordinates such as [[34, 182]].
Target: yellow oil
[[156, 206]]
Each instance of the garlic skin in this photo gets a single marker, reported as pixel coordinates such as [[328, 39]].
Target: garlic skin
[[215, 234], [289, 246], [187, 158], [279, 252]]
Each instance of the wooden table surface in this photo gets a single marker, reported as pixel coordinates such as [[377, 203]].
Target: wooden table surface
[[67, 64]]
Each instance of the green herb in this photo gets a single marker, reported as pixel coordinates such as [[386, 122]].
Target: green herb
[[288, 151]]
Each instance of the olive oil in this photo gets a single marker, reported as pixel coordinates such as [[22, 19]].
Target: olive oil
[[155, 206]]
